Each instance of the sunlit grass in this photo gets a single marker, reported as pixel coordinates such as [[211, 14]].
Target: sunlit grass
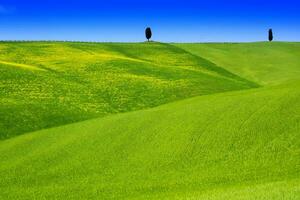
[[236, 145], [51, 84], [235, 136]]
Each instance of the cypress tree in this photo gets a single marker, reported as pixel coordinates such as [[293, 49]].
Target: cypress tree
[[270, 35], [148, 33]]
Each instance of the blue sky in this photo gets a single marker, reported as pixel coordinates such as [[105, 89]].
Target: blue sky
[[171, 21]]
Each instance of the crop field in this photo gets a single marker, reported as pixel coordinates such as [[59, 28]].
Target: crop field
[[149, 121]]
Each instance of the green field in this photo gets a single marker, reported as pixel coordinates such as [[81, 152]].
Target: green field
[[87, 121], [45, 85]]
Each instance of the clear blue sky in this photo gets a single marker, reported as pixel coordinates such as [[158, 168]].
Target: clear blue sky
[[171, 21]]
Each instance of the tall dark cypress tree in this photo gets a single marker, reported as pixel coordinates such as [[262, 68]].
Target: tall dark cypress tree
[[148, 33], [271, 35]]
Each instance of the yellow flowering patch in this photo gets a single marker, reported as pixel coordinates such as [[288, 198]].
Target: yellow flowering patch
[[24, 66]]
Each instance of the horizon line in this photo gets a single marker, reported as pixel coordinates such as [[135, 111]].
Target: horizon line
[[195, 42]]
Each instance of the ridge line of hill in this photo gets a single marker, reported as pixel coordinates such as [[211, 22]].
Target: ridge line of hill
[[217, 68], [85, 86], [161, 107], [208, 65]]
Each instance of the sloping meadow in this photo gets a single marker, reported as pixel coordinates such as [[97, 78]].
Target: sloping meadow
[[232, 145], [44, 85], [217, 144]]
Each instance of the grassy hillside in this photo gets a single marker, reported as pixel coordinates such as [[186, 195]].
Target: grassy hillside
[[220, 144], [265, 63], [46, 84], [236, 145]]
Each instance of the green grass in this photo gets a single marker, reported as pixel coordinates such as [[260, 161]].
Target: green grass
[[264, 63], [44, 85], [220, 144], [192, 146]]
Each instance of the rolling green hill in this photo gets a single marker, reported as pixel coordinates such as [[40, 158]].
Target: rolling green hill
[[44, 85], [220, 144], [236, 143], [264, 63]]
